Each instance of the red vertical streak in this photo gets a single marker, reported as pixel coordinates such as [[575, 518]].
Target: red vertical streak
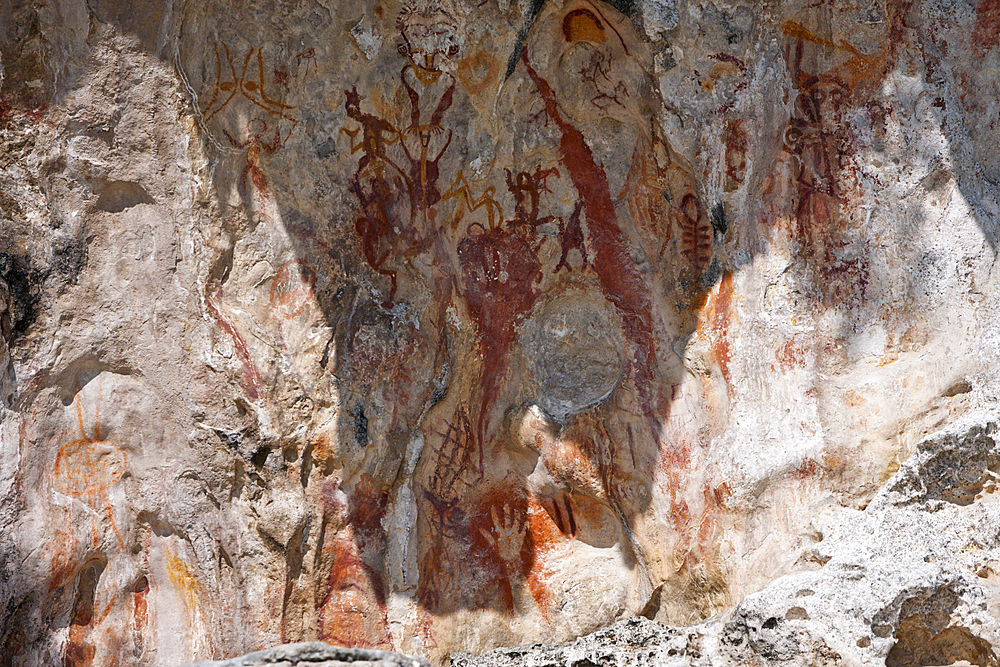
[[621, 282], [497, 307], [253, 381], [720, 327], [986, 33]]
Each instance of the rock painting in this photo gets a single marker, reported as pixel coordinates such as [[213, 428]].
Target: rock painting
[[246, 111], [292, 288], [818, 136], [250, 84], [252, 382], [436, 322], [253, 145], [86, 468], [352, 604], [501, 249]]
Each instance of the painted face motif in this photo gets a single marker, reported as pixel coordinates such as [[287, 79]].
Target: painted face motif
[[429, 36]]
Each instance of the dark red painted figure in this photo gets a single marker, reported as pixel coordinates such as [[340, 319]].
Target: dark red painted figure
[[571, 238], [377, 224], [426, 151], [620, 281]]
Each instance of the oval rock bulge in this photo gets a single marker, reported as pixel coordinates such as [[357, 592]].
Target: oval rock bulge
[[574, 344]]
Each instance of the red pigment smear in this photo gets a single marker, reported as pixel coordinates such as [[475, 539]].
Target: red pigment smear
[[621, 282], [736, 150], [673, 466], [720, 327], [986, 33], [367, 509], [545, 536], [353, 606], [807, 469], [725, 57], [78, 652], [897, 11], [497, 302], [252, 376], [696, 234], [715, 498], [140, 612]]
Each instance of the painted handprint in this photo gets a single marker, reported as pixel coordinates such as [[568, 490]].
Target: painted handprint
[[509, 535]]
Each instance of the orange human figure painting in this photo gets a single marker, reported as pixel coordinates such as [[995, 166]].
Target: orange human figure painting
[[87, 467], [429, 40], [244, 85]]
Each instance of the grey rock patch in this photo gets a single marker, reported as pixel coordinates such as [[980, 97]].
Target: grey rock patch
[[316, 654], [577, 355], [120, 195]]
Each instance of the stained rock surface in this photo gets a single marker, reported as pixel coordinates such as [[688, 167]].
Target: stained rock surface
[[903, 582], [438, 327]]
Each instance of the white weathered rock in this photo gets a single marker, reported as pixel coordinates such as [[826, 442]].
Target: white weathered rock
[[906, 581]]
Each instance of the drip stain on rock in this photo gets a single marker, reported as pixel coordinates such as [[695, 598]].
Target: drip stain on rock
[[360, 425]]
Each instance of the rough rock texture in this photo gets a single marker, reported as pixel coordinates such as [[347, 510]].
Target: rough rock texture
[[438, 326], [317, 654], [907, 581]]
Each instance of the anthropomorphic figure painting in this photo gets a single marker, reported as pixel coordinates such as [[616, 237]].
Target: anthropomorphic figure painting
[[254, 144], [87, 467], [428, 40], [818, 137], [547, 436]]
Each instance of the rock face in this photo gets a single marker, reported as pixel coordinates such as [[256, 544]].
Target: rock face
[[317, 654], [907, 581], [439, 327]]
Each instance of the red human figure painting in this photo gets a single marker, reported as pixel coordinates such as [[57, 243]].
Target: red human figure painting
[[254, 145], [378, 225]]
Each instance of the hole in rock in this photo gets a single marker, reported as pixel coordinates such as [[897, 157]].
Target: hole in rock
[[918, 646], [120, 195], [796, 614], [260, 457], [960, 387], [83, 608]]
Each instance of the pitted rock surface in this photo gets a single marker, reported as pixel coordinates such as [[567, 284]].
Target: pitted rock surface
[[316, 654]]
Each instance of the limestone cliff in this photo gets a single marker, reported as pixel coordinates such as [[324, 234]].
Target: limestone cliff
[[437, 326]]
